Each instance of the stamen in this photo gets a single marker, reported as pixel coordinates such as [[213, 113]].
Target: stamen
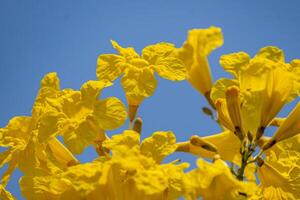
[[183, 146]]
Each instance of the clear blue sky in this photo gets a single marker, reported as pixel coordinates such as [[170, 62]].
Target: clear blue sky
[[37, 37]]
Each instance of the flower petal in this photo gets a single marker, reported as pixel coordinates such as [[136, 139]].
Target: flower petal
[[91, 90], [194, 52], [128, 52], [170, 68], [138, 83], [48, 125], [108, 67], [78, 137], [271, 53], [159, 145], [127, 139], [110, 113], [220, 87], [233, 63], [154, 52]]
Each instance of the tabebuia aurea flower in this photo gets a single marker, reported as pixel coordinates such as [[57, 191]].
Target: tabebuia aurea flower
[[138, 80], [194, 53], [240, 162]]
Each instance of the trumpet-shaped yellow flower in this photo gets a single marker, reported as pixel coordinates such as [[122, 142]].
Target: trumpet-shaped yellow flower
[[266, 84], [130, 173], [214, 181], [194, 52], [277, 184], [26, 138], [279, 173], [139, 81], [85, 117]]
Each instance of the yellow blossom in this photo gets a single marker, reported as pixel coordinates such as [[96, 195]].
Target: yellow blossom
[[131, 173], [279, 173], [266, 84], [26, 137], [279, 185], [194, 52], [85, 117], [138, 80]]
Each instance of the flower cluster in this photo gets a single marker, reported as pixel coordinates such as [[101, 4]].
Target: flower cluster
[[241, 162]]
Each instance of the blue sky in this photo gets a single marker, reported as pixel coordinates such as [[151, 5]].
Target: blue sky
[[37, 37]]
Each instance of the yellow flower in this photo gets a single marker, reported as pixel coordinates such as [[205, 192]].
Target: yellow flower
[[194, 52], [130, 173], [138, 80], [279, 173], [279, 185], [85, 117], [266, 84], [214, 181], [26, 138]]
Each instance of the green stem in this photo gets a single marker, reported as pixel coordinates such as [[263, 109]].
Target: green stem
[[245, 156], [241, 171]]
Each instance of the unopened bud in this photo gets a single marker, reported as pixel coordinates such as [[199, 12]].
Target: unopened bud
[[183, 146], [137, 126], [208, 112], [198, 141], [234, 110]]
